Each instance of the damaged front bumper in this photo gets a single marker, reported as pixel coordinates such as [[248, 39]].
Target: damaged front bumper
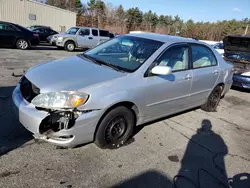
[[61, 128]]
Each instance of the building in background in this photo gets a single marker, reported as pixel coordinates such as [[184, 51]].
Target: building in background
[[29, 12]]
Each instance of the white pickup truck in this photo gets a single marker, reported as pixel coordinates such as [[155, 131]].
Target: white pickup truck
[[80, 37]]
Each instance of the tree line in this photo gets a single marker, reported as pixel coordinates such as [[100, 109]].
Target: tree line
[[97, 13]]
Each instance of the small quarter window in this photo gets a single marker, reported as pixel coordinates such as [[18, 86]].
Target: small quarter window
[[202, 57]]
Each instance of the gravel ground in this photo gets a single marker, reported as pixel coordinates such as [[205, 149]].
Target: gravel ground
[[185, 143]]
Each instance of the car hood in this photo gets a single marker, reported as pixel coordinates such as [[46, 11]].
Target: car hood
[[63, 35], [73, 73], [236, 44]]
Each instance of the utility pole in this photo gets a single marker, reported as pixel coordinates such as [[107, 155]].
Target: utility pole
[[246, 29]]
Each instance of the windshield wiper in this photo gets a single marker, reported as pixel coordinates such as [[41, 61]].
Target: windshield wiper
[[101, 62], [90, 58]]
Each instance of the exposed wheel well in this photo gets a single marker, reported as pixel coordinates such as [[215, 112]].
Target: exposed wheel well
[[222, 85], [127, 104], [70, 41]]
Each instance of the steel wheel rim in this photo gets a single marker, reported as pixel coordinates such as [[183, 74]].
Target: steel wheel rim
[[116, 129], [215, 98], [70, 47], [23, 44]]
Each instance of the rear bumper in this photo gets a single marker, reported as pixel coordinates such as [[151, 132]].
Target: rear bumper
[[31, 118], [241, 81]]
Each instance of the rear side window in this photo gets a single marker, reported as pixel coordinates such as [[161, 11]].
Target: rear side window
[[202, 57], [104, 33], [94, 32], [84, 32], [39, 30]]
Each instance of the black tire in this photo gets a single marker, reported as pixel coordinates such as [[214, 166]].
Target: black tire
[[70, 46], [22, 44], [213, 100], [110, 133]]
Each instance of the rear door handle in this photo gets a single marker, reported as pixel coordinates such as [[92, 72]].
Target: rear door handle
[[216, 72], [187, 77], [90, 37]]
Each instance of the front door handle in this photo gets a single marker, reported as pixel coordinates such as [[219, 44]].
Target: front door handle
[[187, 77], [90, 37], [216, 72]]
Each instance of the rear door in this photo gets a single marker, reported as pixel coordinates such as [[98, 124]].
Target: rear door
[[8, 34], [95, 37], [205, 73]]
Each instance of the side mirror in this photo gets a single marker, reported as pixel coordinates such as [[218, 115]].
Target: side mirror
[[161, 70]]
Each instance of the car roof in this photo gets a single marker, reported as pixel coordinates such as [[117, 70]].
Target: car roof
[[80, 27], [164, 38]]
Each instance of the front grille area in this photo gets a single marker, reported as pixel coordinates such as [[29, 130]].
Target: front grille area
[[29, 91]]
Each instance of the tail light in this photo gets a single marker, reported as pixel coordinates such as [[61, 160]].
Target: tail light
[[35, 35]]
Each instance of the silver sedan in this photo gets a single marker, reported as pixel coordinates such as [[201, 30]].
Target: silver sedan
[[104, 93]]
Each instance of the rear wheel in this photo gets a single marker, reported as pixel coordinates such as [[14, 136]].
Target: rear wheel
[[22, 44], [70, 46], [213, 100], [115, 128]]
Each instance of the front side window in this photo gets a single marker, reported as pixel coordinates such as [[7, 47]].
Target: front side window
[[84, 32], [202, 57], [72, 30], [127, 53], [176, 57]]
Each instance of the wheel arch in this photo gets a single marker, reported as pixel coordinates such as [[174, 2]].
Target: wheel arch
[[70, 40], [22, 37], [130, 105]]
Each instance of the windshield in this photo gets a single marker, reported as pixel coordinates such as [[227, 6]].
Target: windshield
[[72, 30], [218, 46], [126, 52]]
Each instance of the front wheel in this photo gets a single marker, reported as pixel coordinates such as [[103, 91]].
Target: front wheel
[[115, 128], [22, 44], [213, 100], [70, 46]]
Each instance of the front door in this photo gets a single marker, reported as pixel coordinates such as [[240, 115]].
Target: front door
[[205, 73], [84, 38], [167, 94]]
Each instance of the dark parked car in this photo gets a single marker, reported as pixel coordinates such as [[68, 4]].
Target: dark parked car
[[13, 35], [43, 32], [237, 51]]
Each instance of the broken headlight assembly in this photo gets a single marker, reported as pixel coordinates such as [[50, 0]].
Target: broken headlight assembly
[[60, 100]]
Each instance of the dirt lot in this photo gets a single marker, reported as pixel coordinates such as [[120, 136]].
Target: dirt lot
[[217, 142]]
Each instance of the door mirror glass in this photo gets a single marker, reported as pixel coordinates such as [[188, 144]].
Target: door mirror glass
[[161, 70]]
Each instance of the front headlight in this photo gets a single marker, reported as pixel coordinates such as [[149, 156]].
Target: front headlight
[[58, 100], [59, 38]]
